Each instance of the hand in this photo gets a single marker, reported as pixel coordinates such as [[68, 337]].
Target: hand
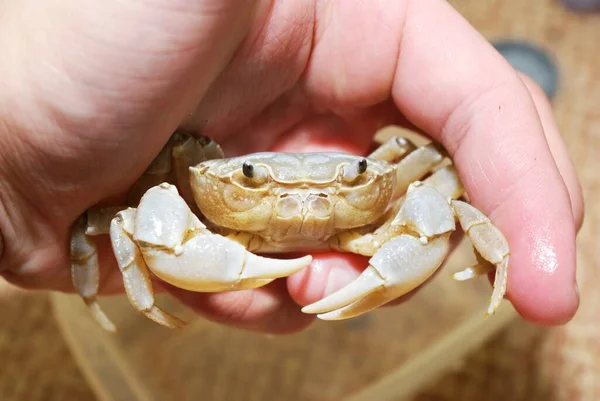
[[91, 92]]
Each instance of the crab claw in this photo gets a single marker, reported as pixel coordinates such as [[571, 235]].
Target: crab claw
[[180, 250], [400, 265], [425, 222]]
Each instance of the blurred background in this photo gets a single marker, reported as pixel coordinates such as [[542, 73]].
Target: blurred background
[[437, 347]]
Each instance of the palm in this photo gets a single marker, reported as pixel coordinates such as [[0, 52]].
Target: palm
[[315, 73]]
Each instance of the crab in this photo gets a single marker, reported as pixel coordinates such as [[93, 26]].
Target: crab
[[197, 221]]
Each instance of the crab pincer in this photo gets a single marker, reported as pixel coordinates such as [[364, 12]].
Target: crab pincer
[[180, 250], [420, 234], [163, 236]]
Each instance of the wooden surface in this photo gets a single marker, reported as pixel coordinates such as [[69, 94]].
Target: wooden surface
[[35, 363], [523, 362]]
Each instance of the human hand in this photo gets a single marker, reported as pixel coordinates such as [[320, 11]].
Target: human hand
[[91, 92]]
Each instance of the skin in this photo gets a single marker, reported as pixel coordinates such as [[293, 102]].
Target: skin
[[92, 90]]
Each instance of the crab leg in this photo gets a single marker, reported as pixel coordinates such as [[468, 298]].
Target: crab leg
[[417, 164], [84, 269], [86, 273], [173, 162], [491, 249], [180, 250], [189, 151], [413, 163], [393, 149], [136, 277]]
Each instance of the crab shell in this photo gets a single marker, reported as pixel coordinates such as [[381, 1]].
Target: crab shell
[[293, 198]]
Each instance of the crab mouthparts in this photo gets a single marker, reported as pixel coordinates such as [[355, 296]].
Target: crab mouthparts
[[312, 204]]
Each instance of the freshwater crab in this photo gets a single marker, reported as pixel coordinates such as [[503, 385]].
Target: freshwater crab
[[196, 220]]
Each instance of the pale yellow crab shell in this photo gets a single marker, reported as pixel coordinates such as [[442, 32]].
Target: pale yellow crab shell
[[308, 184]]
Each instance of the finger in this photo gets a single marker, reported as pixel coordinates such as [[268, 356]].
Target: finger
[[267, 309], [277, 130], [558, 149], [477, 106], [327, 273]]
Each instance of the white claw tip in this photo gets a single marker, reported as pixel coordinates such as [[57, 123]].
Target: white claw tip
[[464, 275], [414, 184], [335, 315], [424, 240], [258, 267], [178, 250]]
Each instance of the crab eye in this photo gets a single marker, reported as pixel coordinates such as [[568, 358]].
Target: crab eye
[[362, 166], [253, 175], [248, 169], [353, 171]]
